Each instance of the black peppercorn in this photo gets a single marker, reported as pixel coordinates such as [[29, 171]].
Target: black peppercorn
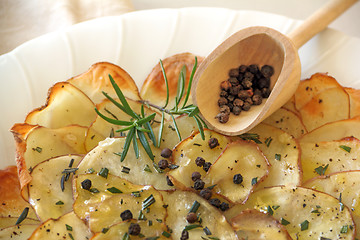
[[234, 72], [215, 202], [163, 164], [207, 166], [246, 106], [168, 181], [224, 94], [166, 153], [263, 83], [191, 217], [134, 229], [199, 161], [253, 68], [237, 179], [235, 90], [206, 193], [248, 76], [257, 99], [184, 235], [199, 184], [195, 176], [238, 102], [234, 82], [265, 92], [126, 215], [243, 94], [230, 98], [225, 109], [236, 110], [213, 142], [267, 71], [222, 101], [224, 206], [222, 117], [243, 68], [225, 85], [86, 184]]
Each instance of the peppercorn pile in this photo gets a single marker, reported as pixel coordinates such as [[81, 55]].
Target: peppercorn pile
[[246, 86]]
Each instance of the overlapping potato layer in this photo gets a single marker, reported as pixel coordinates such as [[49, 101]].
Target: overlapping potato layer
[[294, 176]]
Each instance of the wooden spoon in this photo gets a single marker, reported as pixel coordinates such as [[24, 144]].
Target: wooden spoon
[[258, 45]]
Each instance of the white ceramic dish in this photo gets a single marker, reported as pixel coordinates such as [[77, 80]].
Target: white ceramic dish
[[136, 41]]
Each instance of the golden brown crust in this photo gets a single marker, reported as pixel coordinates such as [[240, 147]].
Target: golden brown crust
[[96, 80]]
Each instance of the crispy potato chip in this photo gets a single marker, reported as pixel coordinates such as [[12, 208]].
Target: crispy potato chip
[[334, 131], [283, 153], [96, 80], [311, 87], [140, 171], [50, 190], [288, 121], [181, 202], [68, 226], [255, 225], [19, 232], [305, 213], [341, 185], [323, 158], [185, 153], [114, 195], [242, 159], [320, 109], [65, 105], [154, 89], [354, 95]]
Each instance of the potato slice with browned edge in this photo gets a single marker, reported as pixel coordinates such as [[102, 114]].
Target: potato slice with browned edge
[[43, 143], [283, 153], [186, 152], [65, 105], [10, 221], [18, 232], [68, 226], [210, 224], [334, 131], [323, 158], [101, 129], [311, 87], [240, 159], [50, 190], [354, 95], [140, 170], [341, 185], [109, 196], [305, 213], [321, 108], [288, 121], [154, 88], [255, 225], [96, 80]]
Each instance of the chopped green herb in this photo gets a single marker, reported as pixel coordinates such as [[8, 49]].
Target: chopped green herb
[[159, 220], [126, 236], [254, 181], [62, 183], [136, 194], [59, 202], [195, 207], [192, 226], [269, 210], [141, 216], [70, 170], [38, 149], [346, 148], [150, 223], [90, 170], [157, 168], [275, 207], [315, 211], [114, 190], [284, 222], [214, 238], [207, 231], [68, 227], [166, 234], [125, 170], [118, 154], [268, 141], [173, 166], [22, 216], [94, 190], [147, 169], [71, 236], [344, 229], [105, 230], [277, 156], [324, 238], [211, 187], [71, 163], [148, 201], [251, 136], [112, 133], [104, 172], [321, 170], [304, 225]]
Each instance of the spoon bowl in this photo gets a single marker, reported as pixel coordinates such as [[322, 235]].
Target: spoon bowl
[[254, 45]]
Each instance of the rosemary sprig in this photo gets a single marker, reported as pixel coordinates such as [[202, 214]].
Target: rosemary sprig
[[139, 125]]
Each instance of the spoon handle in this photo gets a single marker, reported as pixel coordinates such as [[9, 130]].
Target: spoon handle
[[318, 21]]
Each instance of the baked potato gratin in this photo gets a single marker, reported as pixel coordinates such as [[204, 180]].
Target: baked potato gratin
[[294, 176]]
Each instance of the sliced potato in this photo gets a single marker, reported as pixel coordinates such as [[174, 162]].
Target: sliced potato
[[43, 143], [283, 153], [113, 196], [255, 225], [96, 80], [290, 105], [320, 109], [179, 204], [334, 131], [65, 105], [311, 87], [341, 185], [327, 157], [154, 88], [185, 153], [354, 95], [10, 221], [120, 230], [242, 158], [305, 213], [68, 226], [11, 202], [46, 195], [101, 129], [142, 170], [18, 232], [288, 121]]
